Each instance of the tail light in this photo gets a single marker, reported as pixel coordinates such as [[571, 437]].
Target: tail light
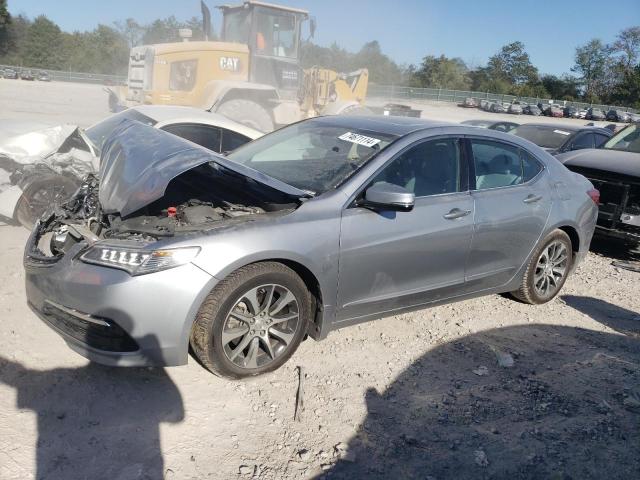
[[594, 194]]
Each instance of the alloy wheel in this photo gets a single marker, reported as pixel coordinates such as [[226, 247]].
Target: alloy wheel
[[260, 326], [551, 269]]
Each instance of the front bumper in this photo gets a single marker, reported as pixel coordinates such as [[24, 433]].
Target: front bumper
[[112, 318]]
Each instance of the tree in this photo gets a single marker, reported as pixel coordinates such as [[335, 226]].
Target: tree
[[131, 30], [381, 68], [5, 24], [591, 64], [43, 45], [561, 88], [442, 72], [627, 46], [512, 64]]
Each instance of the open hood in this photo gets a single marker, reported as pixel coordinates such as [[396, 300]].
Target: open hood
[[139, 161], [615, 161]]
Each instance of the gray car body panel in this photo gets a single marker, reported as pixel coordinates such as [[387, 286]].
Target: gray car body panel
[[367, 264]]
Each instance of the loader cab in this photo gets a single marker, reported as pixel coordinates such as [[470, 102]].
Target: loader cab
[[272, 34]]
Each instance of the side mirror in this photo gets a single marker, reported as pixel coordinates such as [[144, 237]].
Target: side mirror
[[386, 196]]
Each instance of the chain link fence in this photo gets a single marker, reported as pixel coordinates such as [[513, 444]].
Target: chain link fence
[[69, 76]]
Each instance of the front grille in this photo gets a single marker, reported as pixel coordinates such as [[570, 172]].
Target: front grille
[[98, 333], [618, 195]]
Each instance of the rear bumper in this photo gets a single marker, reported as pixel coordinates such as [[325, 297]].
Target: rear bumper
[[112, 318]]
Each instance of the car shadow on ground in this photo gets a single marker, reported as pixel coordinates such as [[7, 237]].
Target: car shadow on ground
[[96, 422], [568, 408]]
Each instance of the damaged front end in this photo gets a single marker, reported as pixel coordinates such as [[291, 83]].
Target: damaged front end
[[152, 187]]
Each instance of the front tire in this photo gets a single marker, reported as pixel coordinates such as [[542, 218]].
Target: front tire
[[253, 321], [41, 194], [548, 269]]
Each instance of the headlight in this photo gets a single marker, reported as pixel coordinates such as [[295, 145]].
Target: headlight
[[139, 262]]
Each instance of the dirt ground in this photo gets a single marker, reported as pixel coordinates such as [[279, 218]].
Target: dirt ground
[[426, 395]]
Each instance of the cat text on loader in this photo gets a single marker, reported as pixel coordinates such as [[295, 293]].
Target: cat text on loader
[[252, 76]]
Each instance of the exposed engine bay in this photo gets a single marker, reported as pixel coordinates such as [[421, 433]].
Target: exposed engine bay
[[203, 198]]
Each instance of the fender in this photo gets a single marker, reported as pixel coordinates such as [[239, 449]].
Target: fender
[[339, 107], [217, 91]]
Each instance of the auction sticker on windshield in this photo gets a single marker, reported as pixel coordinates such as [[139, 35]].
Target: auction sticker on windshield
[[359, 139], [562, 132]]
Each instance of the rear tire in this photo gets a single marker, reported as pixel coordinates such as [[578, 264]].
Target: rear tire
[[247, 112], [547, 270], [241, 330]]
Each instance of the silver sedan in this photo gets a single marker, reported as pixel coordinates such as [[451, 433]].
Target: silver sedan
[[325, 223]]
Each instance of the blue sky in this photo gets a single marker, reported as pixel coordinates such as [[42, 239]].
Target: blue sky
[[406, 29]]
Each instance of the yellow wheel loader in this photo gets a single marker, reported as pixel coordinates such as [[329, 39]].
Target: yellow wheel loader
[[252, 76]]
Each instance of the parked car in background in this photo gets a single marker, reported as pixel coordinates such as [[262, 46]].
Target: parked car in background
[[51, 175], [44, 76], [469, 102], [582, 113], [594, 114], [557, 139], [614, 169], [515, 108], [531, 110], [10, 73], [634, 117], [617, 115], [553, 111], [491, 125], [27, 75], [497, 107], [280, 244], [570, 111]]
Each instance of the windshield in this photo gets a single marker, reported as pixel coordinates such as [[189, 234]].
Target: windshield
[[311, 156], [99, 132], [545, 137], [626, 140], [236, 26], [276, 34]]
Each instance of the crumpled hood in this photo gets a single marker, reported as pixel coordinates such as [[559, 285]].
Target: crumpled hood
[[35, 145], [623, 163], [139, 161]]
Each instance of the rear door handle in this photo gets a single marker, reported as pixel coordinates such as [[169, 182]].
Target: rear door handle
[[532, 198], [456, 213]]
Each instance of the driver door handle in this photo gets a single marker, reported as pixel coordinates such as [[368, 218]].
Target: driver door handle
[[456, 213], [532, 198]]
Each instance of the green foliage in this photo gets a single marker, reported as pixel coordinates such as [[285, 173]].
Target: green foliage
[[5, 24], [512, 64], [442, 72]]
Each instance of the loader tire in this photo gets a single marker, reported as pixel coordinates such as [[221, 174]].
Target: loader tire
[[247, 112]]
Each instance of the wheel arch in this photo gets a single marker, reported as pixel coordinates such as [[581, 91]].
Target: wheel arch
[[309, 275], [219, 91]]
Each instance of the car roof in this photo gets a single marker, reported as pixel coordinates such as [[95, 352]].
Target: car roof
[[164, 114], [385, 124]]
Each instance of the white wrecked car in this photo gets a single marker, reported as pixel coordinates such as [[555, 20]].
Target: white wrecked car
[[41, 166]]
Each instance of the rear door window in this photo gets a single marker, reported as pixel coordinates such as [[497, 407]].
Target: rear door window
[[496, 164], [232, 140], [204, 135]]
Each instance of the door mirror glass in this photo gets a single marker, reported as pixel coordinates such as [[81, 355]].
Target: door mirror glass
[[387, 196]]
